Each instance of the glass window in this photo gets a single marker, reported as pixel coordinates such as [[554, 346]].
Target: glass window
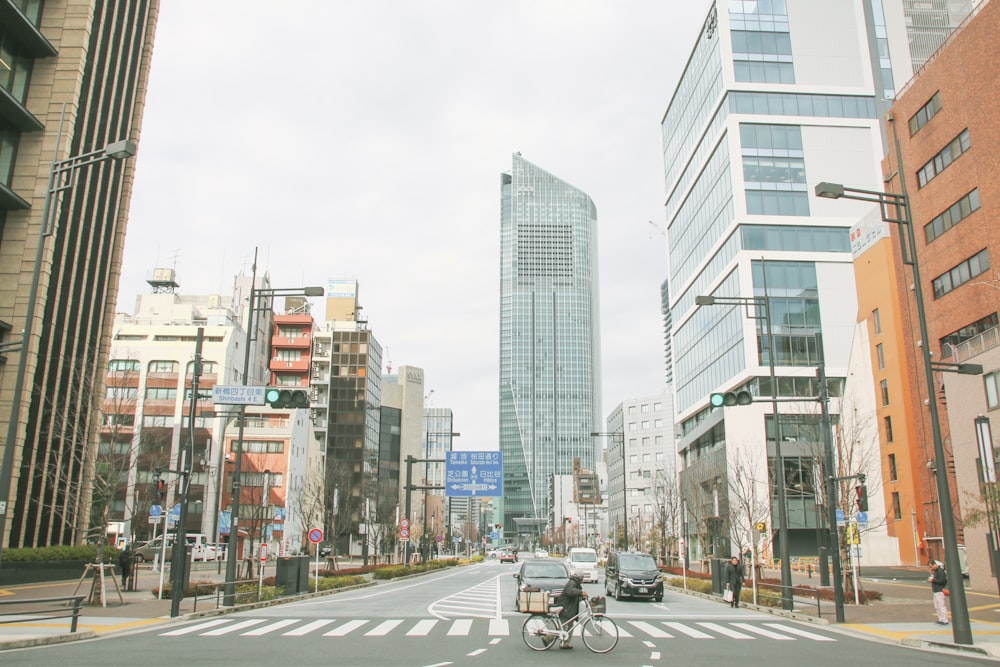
[[897, 510], [943, 160], [961, 274], [880, 354], [876, 321], [952, 215], [990, 381], [893, 476], [888, 428], [884, 384]]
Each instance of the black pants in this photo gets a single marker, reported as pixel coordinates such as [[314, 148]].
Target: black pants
[[736, 597]]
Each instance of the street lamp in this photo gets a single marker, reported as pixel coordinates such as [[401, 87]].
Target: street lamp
[[757, 303], [229, 593], [61, 175], [620, 436], [895, 208]]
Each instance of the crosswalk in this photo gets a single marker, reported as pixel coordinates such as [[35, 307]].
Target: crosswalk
[[496, 627]]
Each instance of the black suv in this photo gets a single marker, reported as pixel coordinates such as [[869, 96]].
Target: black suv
[[632, 574]]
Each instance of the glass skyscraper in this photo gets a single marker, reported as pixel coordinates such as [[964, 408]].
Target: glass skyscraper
[[549, 341]]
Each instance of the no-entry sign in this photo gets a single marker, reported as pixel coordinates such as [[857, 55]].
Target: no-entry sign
[[315, 535]]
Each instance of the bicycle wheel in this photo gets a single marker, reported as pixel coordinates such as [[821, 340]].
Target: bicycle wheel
[[539, 632], [600, 634]]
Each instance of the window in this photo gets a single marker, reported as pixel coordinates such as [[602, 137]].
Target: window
[[943, 160], [888, 428], [793, 237], [876, 321], [121, 393], [161, 393], [990, 382], [926, 112], [880, 355], [123, 365], [893, 476], [163, 366], [261, 447], [760, 72], [152, 421], [953, 215], [897, 511], [885, 391], [288, 355], [976, 265]]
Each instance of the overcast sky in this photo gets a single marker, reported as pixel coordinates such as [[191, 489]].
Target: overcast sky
[[365, 140]]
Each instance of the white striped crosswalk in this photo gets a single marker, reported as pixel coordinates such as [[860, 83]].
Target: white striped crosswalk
[[495, 627]]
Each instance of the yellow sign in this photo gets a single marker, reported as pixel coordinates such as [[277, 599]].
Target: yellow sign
[[853, 534], [760, 526]]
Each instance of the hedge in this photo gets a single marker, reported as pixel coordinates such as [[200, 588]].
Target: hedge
[[86, 552]]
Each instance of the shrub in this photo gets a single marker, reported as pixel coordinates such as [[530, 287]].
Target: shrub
[[331, 583], [199, 588], [85, 552]]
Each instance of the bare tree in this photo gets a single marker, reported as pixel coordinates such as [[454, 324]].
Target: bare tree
[[666, 514], [748, 497], [702, 486]]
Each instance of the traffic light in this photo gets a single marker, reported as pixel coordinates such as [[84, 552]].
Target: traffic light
[[862, 494], [161, 486], [731, 398], [286, 398]]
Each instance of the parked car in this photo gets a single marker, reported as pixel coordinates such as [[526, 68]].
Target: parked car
[[583, 561], [543, 574], [200, 548], [632, 574], [541, 553], [508, 556], [325, 550]]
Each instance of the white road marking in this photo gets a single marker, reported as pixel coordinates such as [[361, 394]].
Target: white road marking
[[687, 630], [271, 627], [791, 629], [233, 628], [762, 631], [195, 628], [309, 627], [422, 628], [651, 629], [723, 630], [383, 628], [461, 627], [342, 630]]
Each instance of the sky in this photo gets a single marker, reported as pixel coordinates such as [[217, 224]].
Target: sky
[[365, 140]]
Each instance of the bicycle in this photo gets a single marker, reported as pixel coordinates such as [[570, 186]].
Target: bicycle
[[599, 633]]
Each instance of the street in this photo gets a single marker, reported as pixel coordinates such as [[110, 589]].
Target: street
[[465, 616]]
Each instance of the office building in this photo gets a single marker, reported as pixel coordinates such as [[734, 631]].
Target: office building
[[549, 341], [774, 95], [74, 76]]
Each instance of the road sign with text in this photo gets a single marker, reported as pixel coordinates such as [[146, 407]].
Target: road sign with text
[[237, 395], [474, 474]]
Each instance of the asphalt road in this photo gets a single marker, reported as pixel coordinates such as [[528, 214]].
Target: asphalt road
[[465, 616]]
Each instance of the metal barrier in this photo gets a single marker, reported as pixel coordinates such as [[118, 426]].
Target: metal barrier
[[802, 592], [49, 610]]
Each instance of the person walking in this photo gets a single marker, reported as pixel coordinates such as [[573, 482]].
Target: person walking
[[939, 583], [569, 600], [125, 559], [734, 579]]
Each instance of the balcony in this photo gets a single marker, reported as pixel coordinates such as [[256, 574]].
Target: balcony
[[286, 365], [302, 342]]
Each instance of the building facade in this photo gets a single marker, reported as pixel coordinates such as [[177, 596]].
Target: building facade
[[73, 82], [775, 95], [549, 341]]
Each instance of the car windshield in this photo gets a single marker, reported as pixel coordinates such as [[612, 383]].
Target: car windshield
[[632, 562], [544, 571], [584, 557]]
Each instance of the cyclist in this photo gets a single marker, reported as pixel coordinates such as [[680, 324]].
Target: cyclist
[[569, 600]]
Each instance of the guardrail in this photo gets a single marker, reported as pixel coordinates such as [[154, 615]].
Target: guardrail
[[50, 608]]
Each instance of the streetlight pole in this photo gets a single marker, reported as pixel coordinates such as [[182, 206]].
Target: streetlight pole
[[756, 303], [61, 175], [895, 208], [229, 594]]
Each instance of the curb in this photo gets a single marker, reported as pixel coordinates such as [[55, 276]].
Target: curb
[[944, 647], [794, 615], [47, 640]]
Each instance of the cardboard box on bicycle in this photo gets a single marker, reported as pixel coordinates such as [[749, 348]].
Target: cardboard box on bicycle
[[533, 601]]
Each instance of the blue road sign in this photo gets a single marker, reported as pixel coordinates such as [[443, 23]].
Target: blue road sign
[[862, 517], [155, 510], [840, 517], [474, 474]]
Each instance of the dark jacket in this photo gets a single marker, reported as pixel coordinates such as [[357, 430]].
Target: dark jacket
[[939, 579], [569, 599], [734, 576]]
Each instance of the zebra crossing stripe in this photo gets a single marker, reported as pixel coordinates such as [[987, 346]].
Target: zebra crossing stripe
[[723, 630], [195, 628], [690, 632], [233, 628], [383, 628], [461, 626], [309, 627], [277, 625], [499, 627], [801, 633], [651, 629], [342, 630], [422, 628], [764, 632]]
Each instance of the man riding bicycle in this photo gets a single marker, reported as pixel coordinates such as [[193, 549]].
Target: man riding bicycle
[[569, 600]]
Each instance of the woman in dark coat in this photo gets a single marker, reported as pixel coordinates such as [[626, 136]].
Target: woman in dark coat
[[569, 600], [734, 579]]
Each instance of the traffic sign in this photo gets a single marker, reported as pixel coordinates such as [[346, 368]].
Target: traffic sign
[[404, 534], [315, 535], [862, 518], [438, 539], [840, 517], [404, 523], [237, 395], [155, 510], [474, 474], [263, 553]]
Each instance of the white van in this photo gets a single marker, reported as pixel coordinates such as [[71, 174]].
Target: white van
[[200, 548], [583, 561]]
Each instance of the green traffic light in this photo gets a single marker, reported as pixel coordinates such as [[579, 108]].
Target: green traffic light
[[272, 395], [718, 400]]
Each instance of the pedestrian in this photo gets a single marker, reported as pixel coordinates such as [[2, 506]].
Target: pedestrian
[[125, 559], [569, 600], [939, 583], [734, 579]]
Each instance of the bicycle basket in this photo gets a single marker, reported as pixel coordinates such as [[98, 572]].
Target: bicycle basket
[[598, 604]]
